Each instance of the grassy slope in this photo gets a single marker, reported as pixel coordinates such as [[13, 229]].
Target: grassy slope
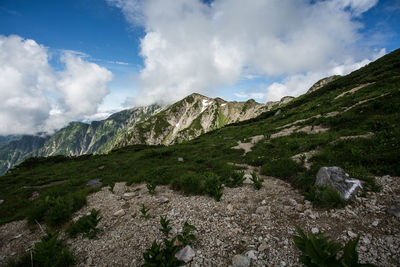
[[211, 152]]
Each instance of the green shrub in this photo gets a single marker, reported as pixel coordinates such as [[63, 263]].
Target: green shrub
[[151, 187], [213, 186], [235, 179], [317, 250], [59, 212], [256, 181], [86, 225], [50, 251], [189, 183], [186, 237], [283, 168], [144, 210], [325, 197]]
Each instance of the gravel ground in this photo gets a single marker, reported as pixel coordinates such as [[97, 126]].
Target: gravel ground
[[257, 224]]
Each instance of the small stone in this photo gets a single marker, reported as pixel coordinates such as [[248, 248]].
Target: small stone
[[299, 207], [251, 254], [283, 263], [35, 195], [186, 254], [394, 210], [351, 234], [263, 210], [262, 247], [366, 240], [240, 261], [101, 167], [94, 183], [128, 195], [119, 213], [263, 202], [180, 159], [375, 223], [315, 230], [163, 200], [229, 207], [1, 201]]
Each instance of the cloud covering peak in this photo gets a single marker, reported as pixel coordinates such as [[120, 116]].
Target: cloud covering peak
[[193, 46], [35, 97]]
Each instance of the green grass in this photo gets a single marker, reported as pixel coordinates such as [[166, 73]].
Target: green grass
[[211, 152]]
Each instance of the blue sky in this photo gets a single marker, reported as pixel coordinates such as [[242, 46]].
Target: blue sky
[[160, 51]]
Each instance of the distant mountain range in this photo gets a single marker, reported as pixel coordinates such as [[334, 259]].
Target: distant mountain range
[[154, 125]]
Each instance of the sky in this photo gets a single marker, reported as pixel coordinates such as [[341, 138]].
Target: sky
[[69, 60]]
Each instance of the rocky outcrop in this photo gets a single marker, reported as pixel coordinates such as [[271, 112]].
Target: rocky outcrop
[[338, 179], [187, 119], [321, 83]]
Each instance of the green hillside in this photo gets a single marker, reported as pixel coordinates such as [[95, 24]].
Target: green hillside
[[358, 131]]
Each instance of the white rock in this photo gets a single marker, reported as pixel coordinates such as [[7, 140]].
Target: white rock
[[283, 263], [240, 261], [375, 223], [315, 230], [119, 213], [229, 207], [251, 254], [128, 195], [351, 234], [1, 201], [163, 200], [186, 254]]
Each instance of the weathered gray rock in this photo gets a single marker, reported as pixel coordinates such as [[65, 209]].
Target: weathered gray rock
[[119, 213], [1, 201], [278, 112], [240, 261], [119, 188], [337, 178], [251, 254], [163, 200], [180, 159], [129, 195], [94, 183], [394, 210], [186, 254]]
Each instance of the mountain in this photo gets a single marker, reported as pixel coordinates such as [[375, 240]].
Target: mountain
[[189, 118], [16, 151], [76, 139]]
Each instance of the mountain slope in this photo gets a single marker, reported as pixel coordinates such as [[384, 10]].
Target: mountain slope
[[19, 150], [189, 118], [76, 139]]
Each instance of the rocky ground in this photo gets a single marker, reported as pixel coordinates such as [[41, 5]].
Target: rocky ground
[[256, 224]]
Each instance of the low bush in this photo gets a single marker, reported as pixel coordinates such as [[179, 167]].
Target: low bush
[[144, 210], [163, 255], [256, 181], [151, 187], [213, 186], [324, 197], [86, 225], [317, 250], [283, 168], [189, 183], [235, 179], [50, 251]]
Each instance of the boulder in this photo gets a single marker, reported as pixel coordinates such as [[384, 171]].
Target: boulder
[[240, 261], [186, 254], [337, 178], [119, 188], [180, 159], [94, 183]]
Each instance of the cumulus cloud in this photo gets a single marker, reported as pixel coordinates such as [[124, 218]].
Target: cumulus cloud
[[192, 46], [35, 97], [295, 85]]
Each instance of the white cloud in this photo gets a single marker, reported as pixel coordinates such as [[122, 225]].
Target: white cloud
[[36, 98], [250, 95], [191, 46], [295, 85]]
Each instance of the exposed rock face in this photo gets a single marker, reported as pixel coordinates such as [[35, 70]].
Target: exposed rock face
[[94, 183], [189, 118], [321, 83], [337, 178]]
